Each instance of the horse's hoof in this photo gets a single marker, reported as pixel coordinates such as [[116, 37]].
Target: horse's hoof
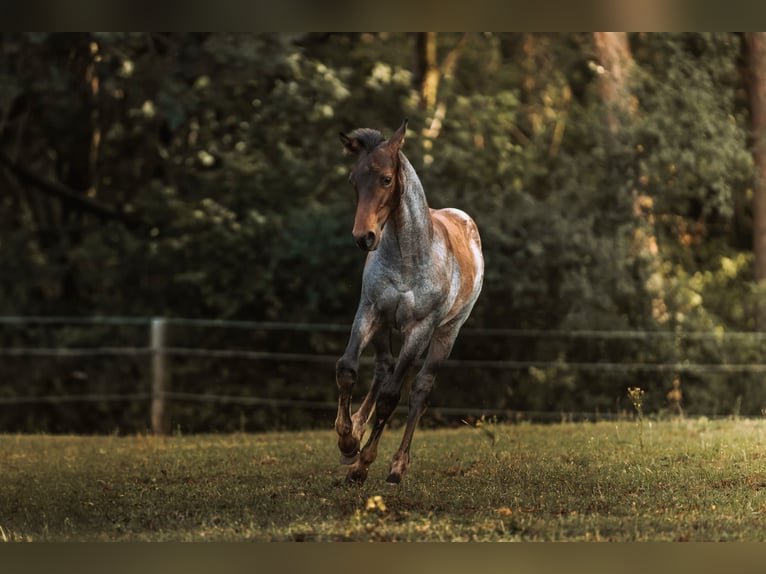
[[349, 449], [349, 458], [394, 478], [356, 477]]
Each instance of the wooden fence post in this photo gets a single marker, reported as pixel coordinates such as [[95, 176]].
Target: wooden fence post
[[159, 376]]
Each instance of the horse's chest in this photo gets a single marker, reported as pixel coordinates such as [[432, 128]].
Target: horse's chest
[[401, 301]]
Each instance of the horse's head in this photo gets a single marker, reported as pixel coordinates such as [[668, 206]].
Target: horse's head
[[376, 179]]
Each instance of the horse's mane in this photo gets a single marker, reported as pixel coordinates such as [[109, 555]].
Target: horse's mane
[[368, 138]]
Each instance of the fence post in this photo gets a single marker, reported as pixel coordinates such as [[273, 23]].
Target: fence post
[[159, 376]]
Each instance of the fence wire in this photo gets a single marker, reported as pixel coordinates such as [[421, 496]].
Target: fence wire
[[287, 357], [676, 367]]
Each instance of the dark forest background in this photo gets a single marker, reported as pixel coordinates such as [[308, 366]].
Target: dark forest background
[[614, 178]]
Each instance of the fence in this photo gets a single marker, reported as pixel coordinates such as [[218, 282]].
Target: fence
[[157, 351]]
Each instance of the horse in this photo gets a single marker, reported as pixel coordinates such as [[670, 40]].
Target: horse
[[422, 276]]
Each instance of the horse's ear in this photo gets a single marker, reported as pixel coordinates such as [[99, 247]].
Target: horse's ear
[[397, 140], [350, 145]]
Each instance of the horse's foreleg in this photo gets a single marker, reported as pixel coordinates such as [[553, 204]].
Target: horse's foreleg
[[346, 370], [345, 376], [384, 369], [440, 348], [414, 343]]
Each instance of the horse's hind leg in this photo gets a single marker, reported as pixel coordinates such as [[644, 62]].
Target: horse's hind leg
[[384, 369], [439, 350]]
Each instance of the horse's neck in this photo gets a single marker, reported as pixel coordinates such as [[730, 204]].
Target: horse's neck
[[410, 232]]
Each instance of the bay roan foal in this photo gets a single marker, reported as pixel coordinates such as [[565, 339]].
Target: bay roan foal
[[423, 274]]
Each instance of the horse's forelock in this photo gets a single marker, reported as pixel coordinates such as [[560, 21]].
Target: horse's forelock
[[368, 138]]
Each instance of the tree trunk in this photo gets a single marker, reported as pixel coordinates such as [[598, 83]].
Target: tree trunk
[[427, 68], [755, 70], [614, 71]]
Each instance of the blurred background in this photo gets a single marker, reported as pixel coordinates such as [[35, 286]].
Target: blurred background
[[199, 178]]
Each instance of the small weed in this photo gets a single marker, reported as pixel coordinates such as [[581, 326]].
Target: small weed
[[674, 397], [486, 427], [636, 395], [737, 407]]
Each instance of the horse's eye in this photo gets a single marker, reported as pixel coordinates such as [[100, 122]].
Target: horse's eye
[[387, 180]]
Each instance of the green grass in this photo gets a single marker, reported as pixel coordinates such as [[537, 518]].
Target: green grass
[[690, 479]]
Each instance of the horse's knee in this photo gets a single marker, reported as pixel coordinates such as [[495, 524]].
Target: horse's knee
[[424, 382], [384, 367], [345, 365], [387, 401], [345, 373], [420, 390]]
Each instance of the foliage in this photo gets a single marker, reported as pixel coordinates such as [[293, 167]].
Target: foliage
[[207, 180]]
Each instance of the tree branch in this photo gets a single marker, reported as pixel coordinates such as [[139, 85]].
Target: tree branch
[[67, 195], [450, 60]]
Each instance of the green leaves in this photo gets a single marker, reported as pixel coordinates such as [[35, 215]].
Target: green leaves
[[224, 147]]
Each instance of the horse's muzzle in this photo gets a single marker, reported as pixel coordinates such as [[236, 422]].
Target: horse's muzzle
[[366, 242]]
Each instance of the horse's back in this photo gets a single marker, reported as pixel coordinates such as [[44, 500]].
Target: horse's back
[[461, 237]]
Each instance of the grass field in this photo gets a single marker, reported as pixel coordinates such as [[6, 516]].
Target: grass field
[[693, 479]]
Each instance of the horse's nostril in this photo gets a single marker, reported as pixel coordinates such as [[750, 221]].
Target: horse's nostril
[[366, 241]]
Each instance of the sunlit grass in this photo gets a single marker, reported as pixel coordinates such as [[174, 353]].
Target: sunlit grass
[[693, 479]]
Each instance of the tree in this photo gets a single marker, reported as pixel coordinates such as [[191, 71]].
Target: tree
[[428, 74], [755, 67], [200, 175], [616, 73]]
